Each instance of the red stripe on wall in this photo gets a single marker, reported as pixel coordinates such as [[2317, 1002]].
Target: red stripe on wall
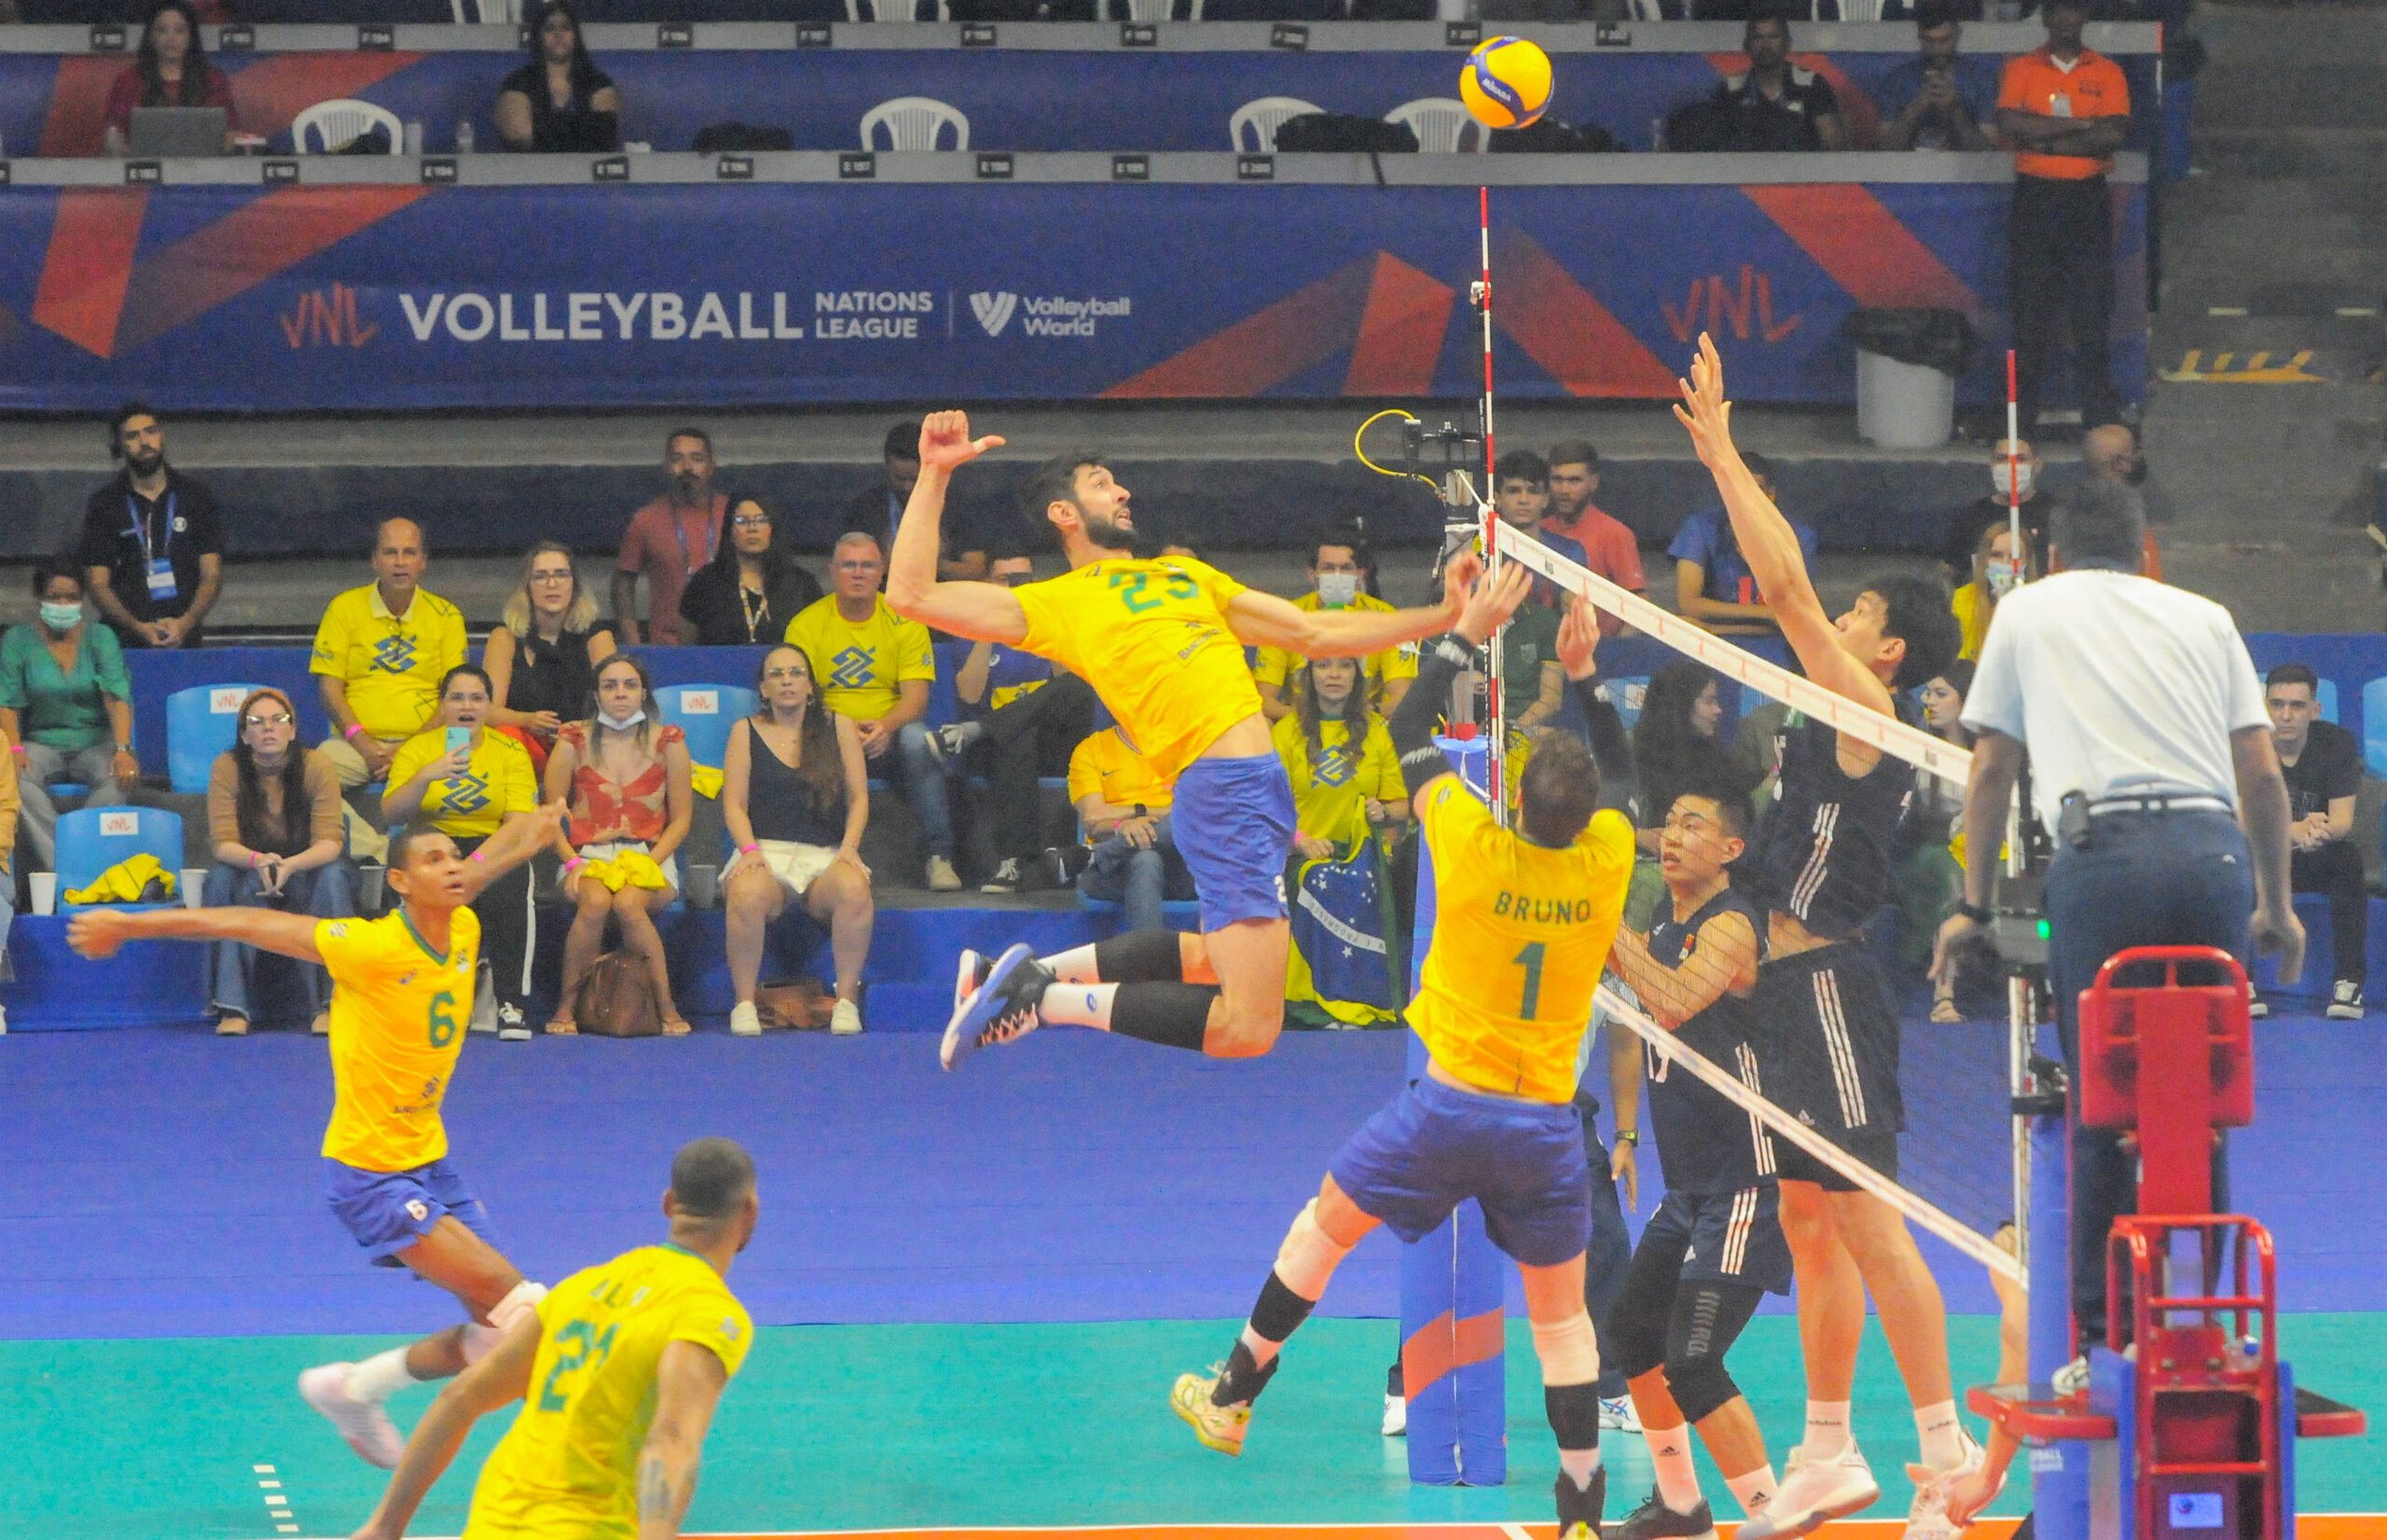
[[1438, 1347], [273, 90], [1558, 324], [1304, 328], [1400, 332], [89, 262], [77, 120], [1864, 248]]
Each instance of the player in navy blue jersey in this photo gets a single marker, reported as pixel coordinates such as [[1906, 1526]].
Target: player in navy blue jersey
[[1826, 1027], [1714, 1249]]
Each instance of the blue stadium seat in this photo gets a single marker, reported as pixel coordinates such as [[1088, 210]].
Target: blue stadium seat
[[2328, 699], [705, 712], [2374, 726], [200, 726], [92, 839]]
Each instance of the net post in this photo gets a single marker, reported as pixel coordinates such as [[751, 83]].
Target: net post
[[1496, 734]]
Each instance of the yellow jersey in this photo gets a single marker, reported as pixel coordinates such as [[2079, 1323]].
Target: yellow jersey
[[398, 1015], [862, 668], [1275, 664], [498, 781], [1333, 782], [1103, 762], [568, 1467], [1521, 934], [1151, 637], [392, 665]]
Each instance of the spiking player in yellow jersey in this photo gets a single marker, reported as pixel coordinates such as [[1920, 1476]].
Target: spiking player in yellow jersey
[[402, 991], [1522, 923], [618, 1374], [1162, 643]]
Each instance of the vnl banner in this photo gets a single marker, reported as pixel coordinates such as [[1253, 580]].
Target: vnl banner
[[322, 297]]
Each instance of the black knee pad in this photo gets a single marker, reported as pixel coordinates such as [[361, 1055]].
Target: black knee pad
[[1700, 1386]]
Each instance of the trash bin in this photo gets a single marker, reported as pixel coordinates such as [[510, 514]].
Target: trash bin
[[1907, 364]]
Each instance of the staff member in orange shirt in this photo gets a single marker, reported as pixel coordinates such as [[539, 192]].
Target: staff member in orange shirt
[[2064, 109]]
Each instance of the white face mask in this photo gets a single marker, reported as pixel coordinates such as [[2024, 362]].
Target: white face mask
[[61, 618], [622, 724], [2003, 576], [2019, 474], [1336, 590]]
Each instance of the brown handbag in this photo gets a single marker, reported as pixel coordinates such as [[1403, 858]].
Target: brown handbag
[[617, 999], [798, 1003]]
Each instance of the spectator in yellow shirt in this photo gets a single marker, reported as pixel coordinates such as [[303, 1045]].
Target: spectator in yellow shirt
[[467, 782], [380, 655], [1346, 779], [1124, 807], [1340, 569], [875, 672]]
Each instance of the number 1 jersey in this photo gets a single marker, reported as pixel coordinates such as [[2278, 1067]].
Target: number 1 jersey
[[398, 1015], [1521, 934]]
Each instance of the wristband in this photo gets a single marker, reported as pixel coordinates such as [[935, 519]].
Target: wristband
[[749, 849], [569, 867], [353, 728], [16, 748], [1139, 811], [1629, 1136], [1973, 913], [254, 859], [478, 855]]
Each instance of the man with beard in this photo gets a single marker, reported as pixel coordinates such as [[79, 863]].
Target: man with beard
[[669, 540], [1162, 643], [152, 548]]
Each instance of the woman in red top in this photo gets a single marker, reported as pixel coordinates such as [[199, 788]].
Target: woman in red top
[[626, 780], [172, 72]]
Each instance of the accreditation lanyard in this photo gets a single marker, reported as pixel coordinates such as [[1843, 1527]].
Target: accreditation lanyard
[[680, 534], [156, 560]]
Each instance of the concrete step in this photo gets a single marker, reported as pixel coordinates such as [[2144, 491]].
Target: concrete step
[[2252, 233], [2349, 91], [2342, 153], [2243, 36], [2276, 573], [2200, 200], [2283, 259], [2276, 331]]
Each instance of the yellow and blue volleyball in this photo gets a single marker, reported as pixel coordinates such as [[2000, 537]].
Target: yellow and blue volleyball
[[1505, 82]]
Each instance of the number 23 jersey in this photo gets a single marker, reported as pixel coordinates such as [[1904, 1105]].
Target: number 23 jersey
[[398, 1015], [1521, 934], [1151, 637]]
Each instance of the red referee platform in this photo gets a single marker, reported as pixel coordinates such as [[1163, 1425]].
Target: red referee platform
[[2189, 1419]]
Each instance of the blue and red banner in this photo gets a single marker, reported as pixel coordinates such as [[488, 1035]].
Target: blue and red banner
[[365, 297]]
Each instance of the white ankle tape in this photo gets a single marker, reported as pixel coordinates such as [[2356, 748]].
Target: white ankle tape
[[1309, 1256], [1568, 1351]]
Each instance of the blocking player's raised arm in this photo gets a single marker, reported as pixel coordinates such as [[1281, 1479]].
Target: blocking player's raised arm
[[1768, 543], [1488, 603], [982, 611], [501, 1377]]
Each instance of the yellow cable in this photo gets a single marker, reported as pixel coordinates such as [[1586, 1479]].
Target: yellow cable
[[1431, 483]]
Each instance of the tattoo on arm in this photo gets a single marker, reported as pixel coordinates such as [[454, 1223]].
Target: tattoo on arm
[[653, 1489]]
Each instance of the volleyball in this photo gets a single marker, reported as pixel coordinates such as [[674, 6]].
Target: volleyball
[[1505, 82]]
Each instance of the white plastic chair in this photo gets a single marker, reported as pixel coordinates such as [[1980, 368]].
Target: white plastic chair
[[485, 12], [1442, 125], [913, 123], [1148, 10], [338, 122], [1252, 128]]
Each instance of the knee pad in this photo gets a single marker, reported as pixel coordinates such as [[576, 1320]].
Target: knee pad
[[1309, 1256], [1700, 1386], [1568, 1351]]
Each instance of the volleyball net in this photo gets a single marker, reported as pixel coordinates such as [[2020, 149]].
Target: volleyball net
[[1959, 1168]]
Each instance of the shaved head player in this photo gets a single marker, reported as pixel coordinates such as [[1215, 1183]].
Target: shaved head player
[[1162, 643], [402, 990]]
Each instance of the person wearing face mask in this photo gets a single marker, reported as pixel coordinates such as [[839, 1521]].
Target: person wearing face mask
[[2110, 453], [1340, 568], [625, 780], [273, 819], [2011, 462], [467, 782], [1997, 569], [66, 707]]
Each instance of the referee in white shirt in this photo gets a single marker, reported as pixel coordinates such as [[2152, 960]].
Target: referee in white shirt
[[2152, 763]]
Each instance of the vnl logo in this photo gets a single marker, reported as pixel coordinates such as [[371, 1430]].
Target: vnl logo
[[993, 311]]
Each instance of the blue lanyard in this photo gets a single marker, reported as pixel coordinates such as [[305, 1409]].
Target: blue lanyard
[[680, 534], [141, 531]]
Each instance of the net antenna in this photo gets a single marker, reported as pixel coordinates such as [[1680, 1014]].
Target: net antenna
[[1912, 745]]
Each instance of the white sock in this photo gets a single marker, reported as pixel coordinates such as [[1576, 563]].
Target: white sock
[[1075, 965], [1670, 1453], [380, 1377], [1580, 1465], [1943, 1443], [1754, 1491], [1828, 1433], [1077, 1005]]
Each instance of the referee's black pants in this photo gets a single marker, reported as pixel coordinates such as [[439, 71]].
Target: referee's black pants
[[2143, 879], [2060, 249]]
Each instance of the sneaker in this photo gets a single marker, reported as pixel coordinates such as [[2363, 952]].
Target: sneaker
[[1396, 1416], [1007, 877], [1927, 1518], [1618, 1416], [949, 742], [1654, 1520], [2072, 1378], [229, 1025], [943, 878], [512, 1027], [1579, 1508], [745, 1021], [2345, 1003], [2257, 1007], [972, 971], [1218, 1428], [363, 1425], [1000, 1010], [845, 1020], [1813, 1494]]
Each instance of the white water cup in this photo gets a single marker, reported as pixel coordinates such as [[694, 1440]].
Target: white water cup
[[45, 891]]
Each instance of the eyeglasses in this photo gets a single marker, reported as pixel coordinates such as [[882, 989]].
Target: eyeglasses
[[551, 577], [857, 567], [280, 719], [751, 521]]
